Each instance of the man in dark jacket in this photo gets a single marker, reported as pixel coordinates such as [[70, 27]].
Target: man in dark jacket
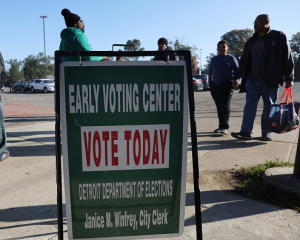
[[265, 62], [163, 46], [4, 153]]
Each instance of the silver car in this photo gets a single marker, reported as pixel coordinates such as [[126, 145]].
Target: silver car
[[204, 79], [197, 84]]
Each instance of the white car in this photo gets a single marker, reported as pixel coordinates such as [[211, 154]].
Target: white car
[[45, 85]]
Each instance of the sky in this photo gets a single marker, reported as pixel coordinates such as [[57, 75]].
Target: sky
[[198, 23]]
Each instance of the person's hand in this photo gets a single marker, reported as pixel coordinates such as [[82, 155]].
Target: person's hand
[[235, 83], [289, 84], [105, 58]]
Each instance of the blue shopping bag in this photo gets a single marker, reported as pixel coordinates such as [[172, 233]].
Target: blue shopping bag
[[283, 117]]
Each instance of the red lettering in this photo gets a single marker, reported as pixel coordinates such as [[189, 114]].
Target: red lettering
[[137, 157], [155, 149], [105, 137], [146, 138], [114, 148], [127, 136], [163, 144], [95, 139], [87, 145]]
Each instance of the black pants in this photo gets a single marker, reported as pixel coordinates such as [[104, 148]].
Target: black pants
[[222, 95]]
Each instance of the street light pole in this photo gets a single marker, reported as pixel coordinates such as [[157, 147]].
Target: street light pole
[[43, 17], [200, 69]]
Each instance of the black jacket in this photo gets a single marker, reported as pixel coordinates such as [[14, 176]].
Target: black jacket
[[164, 58], [279, 60]]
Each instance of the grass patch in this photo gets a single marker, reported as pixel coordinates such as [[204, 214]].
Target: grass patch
[[252, 184]]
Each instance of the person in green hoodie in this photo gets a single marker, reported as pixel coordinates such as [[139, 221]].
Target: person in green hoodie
[[74, 39]]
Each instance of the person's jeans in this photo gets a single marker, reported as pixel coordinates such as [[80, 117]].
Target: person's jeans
[[253, 92], [222, 95], [3, 145]]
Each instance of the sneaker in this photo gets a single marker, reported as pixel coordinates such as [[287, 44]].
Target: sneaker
[[218, 130], [241, 135], [224, 131], [266, 137], [4, 156]]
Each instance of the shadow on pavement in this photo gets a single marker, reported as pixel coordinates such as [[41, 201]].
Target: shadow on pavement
[[31, 213], [44, 143], [227, 205], [42, 139], [41, 212], [26, 151], [26, 134], [37, 235], [226, 144], [29, 119]]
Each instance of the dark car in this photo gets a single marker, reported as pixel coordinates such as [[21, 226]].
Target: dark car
[[204, 79], [22, 86]]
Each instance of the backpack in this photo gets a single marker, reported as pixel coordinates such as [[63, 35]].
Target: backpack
[[2, 70]]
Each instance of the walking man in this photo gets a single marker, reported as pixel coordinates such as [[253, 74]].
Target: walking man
[[265, 63]]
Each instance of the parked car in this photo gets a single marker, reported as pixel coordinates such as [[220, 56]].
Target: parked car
[[45, 85], [197, 84], [204, 79], [21, 86]]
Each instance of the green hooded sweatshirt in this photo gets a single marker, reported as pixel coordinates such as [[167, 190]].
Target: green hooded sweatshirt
[[73, 39]]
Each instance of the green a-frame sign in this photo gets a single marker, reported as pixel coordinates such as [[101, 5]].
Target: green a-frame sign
[[124, 138]]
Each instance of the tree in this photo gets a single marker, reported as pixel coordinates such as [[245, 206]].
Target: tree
[[15, 72], [295, 46], [236, 40], [50, 65], [136, 46], [179, 45], [208, 59], [34, 66]]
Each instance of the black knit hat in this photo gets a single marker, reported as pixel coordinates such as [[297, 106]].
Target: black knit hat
[[70, 18], [163, 41]]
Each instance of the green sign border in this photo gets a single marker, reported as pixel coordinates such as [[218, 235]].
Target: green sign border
[[65, 142]]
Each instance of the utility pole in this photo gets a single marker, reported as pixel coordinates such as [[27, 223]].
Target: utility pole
[[200, 69], [43, 17]]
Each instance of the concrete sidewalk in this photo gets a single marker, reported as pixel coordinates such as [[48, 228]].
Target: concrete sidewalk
[[228, 215], [28, 194]]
